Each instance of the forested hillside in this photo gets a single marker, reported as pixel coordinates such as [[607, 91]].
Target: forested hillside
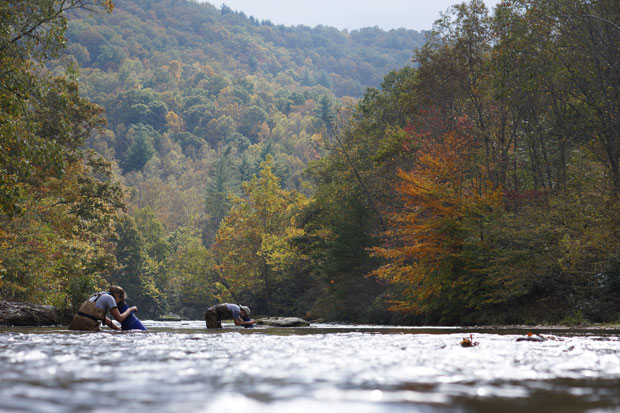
[[196, 155], [157, 32], [195, 97]]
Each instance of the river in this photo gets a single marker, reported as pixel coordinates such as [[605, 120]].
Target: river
[[182, 367]]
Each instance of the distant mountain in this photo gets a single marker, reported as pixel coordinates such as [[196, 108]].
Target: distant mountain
[[158, 31]]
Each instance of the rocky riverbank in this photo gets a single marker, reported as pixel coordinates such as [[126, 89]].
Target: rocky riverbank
[[27, 314]]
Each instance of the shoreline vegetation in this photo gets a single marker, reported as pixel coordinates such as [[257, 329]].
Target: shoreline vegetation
[[469, 175], [18, 314]]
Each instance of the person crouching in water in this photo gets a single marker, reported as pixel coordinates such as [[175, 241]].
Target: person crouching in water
[[240, 314], [94, 310]]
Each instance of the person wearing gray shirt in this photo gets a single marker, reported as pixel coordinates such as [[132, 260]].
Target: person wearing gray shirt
[[240, 314], [97, 306]]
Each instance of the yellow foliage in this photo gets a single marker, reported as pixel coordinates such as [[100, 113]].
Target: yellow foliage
[[174, 122], [108, 5], [253, 244]]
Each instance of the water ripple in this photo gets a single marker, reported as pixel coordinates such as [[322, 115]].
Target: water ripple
[[184, 367]]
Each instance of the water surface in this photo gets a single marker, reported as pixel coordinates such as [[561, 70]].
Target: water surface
[[182, 367]]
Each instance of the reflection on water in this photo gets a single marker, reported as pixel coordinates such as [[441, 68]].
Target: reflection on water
[[182, 367]]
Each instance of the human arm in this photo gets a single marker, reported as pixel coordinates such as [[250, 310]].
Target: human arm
[[110, 324], [120, 317], [240, 322], [108, 302]]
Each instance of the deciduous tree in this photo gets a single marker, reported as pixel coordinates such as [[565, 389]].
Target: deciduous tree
[[436, 247], [253, 246]]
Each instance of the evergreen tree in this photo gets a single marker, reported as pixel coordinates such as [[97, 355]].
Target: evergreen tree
[[136, 273], [140, 150], [218, 191], [325, 112]]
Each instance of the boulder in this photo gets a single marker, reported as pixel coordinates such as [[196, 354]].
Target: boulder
[[282, 322], [27, 314]]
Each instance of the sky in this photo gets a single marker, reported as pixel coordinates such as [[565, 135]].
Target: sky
[[346, 14]]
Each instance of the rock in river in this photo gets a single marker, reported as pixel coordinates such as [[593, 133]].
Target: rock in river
[[283, 322], [26, 314], [170, 317]]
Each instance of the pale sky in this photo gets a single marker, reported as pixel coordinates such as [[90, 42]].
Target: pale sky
[[346, 14]]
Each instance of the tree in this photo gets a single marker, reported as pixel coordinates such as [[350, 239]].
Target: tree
[[136, 270], [140, 150], [57, 203], [58, 250], [217, 200], [153, 233], [30, 33], [251, 120], [253, 246], [194, 282], [436, 248], [325, 112], [136, 106], [353, 193], [586, 55]]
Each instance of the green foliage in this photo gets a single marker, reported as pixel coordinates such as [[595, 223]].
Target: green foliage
[[57, 203], [60, 241], [138, 106], [215, 121], [342, 261], [526, 87], [217, 200], [340, 228], [254, 245], [136, 270], [198, 71], [194, 283], [31, 33], [139, 151], [153, 233]]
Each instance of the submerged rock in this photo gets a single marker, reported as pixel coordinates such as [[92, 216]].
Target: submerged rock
[[170, 317], [283, 322], [27, 314]]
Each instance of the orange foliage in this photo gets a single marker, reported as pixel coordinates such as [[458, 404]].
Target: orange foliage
[[445, 202]]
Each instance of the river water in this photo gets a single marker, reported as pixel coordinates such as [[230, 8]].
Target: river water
[[182, 367]]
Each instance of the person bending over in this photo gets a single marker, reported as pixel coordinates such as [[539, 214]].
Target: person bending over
[[238, 313], [94, 310]]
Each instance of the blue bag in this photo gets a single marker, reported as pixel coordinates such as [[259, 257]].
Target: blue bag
[[131, 322]]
